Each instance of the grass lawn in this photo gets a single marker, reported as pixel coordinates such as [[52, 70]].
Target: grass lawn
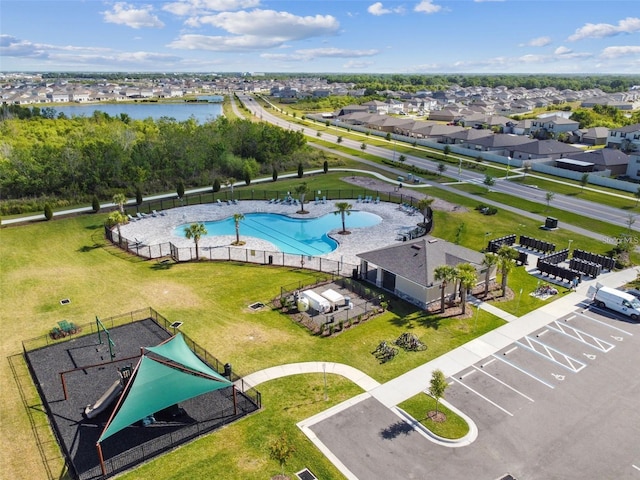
[[420, 405], [44, 262]]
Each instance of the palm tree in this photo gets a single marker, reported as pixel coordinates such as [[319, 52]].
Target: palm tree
[[490, 260], [302, 190], [344, 208], [115, 219], [119, 199], [236, 218], [506, 262], [549, 196], [444, 274], [467, 276], [424, 205], [195, 231], [230, 183]]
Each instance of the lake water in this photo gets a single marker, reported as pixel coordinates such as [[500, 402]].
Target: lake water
[[201, 111]]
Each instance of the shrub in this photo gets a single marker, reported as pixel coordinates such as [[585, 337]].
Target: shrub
[[216, 185], [325, 166], [180, 189], [95, 204], [138, 195], [274, 174], [300, 170], [48, 212]]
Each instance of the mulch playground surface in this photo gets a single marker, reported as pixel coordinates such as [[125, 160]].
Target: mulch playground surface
[[79, 435]]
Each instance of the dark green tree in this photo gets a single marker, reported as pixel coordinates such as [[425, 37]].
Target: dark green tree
[[300, 170], [95, 204], [274, 174], [180, 189], [216, 185], [48, 211], [138, 195], [325, 166]]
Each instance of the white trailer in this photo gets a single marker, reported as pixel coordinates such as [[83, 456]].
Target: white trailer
[[316, 301], [336, 299]]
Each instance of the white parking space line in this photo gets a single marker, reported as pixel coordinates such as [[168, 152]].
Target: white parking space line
[[605, 324], [483, 397], [552, 354], [503, 383], [510, 350], [636, 467], [524, 371], [582, 336], [488, 362], [466, 374], [542, 333]]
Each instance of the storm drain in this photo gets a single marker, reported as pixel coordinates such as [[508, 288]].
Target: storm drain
[[306, 475], [256, 306]]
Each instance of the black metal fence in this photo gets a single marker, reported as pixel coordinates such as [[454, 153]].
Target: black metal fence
[[249, 193], [247, 400]]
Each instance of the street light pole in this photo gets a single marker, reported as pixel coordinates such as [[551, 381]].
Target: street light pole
[[508, 166]]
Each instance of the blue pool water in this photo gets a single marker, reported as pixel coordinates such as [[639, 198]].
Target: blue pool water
[[290, 235]]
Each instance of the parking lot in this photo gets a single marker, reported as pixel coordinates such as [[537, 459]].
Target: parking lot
[[558, 403]]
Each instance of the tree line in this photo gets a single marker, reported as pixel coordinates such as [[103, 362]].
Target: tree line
[[77, 158]]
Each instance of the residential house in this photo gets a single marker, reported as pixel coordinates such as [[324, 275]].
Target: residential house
[[602, 159], [407, 269], [626, 138], [376, 106], [593, 135], [554, 125], [544, 149]]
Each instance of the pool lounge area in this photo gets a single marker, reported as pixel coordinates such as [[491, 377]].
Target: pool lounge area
[[160, 229]]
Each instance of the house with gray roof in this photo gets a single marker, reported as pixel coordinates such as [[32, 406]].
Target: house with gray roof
[[544, 149], [604, 159], [407, 269]]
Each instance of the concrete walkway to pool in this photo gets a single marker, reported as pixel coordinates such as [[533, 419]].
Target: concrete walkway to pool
[[159, 229]]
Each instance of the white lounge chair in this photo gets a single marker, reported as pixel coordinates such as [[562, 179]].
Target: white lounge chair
[[219, 202], [324, 199], [359, 199], [131, 219], [139, 215], [317, 201]]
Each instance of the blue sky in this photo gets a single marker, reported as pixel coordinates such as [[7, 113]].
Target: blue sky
[[346, 36]]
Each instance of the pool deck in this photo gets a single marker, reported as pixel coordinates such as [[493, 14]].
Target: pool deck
[[159, 229]]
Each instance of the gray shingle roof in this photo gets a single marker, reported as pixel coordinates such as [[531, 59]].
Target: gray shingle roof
[[417, 259]]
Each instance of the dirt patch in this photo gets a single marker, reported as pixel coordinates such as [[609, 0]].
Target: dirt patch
[[437, 417], [380, 186]]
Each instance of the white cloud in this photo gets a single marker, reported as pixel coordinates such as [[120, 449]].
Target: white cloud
[[601, 30], [538, 42], [426, 6], [199, 7], [125, 14], [11, 46], [257, 29], [313, 53], [562, 50], [620, 51], [378, 9]]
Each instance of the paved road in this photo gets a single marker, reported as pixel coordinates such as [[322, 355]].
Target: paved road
[[588, 209]]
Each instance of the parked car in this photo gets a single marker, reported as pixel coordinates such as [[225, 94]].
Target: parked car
[[634, 292]]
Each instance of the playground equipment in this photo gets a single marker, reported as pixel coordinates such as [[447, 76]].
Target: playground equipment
[[99, 326], [104, 401], [110, 395]]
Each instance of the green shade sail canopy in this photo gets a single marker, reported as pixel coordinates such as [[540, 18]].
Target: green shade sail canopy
[[157, 385]]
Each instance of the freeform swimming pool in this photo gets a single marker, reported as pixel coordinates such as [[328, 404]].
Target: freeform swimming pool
[[290, 235]]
